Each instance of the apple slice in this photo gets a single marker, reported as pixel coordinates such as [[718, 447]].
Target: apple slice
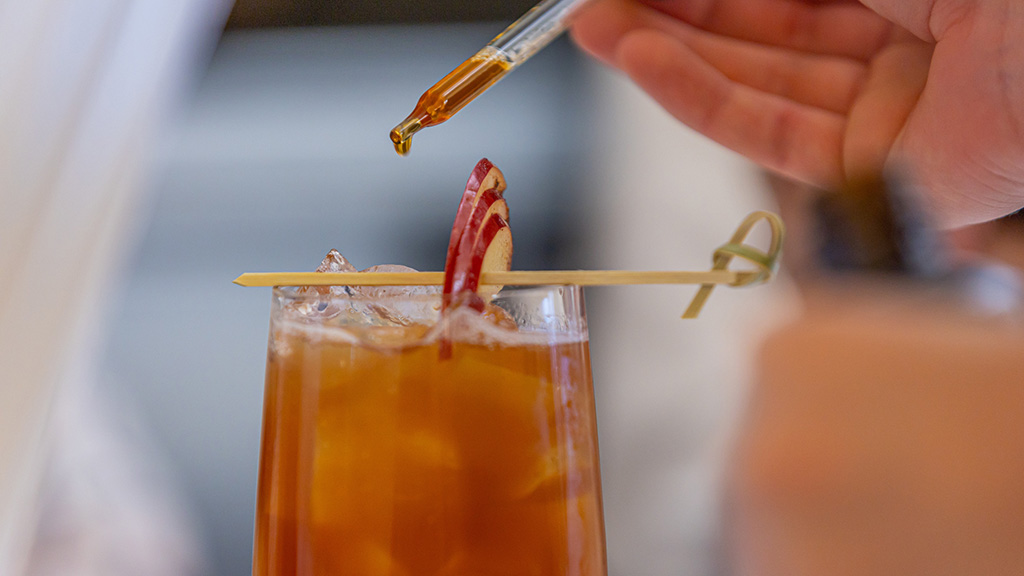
[[489, 203], [492, 251], [481, 240], [485, 176]]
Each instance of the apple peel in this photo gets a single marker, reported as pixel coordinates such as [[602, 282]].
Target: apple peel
[[490, 251], [485, 176], [481, 240], [490, 204]]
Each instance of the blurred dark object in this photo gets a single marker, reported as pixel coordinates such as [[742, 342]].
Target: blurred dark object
[[285, 13], [876, 224]]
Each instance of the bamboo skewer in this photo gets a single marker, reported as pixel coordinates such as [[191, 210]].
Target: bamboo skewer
[[765, 263], [513, 278]]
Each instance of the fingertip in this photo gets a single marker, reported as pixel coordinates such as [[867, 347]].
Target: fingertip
[[653, 59], [587, 39], [640, 48], [599, 27]]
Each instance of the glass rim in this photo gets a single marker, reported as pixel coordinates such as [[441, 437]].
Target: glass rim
[[539, 313]]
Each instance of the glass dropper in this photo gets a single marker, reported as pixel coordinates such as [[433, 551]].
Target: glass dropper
[[524, 38]]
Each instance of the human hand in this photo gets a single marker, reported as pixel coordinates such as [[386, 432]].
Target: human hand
[[885, 436], [826, 90]]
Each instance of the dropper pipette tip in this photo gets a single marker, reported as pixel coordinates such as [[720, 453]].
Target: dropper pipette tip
[[401, 135]]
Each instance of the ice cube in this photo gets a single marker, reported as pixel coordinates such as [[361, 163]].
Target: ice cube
[[428, 449], [379, 306], [393, 291], [400, 305], [335, 262], [327, 306], [493, 326]]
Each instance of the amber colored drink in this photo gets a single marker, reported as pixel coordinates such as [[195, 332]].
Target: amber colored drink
[[382, 457]]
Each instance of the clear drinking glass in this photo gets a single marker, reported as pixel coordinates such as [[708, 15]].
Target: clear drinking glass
[[399, 443]]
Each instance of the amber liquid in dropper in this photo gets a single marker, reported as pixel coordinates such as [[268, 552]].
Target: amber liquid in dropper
[[442, 100]]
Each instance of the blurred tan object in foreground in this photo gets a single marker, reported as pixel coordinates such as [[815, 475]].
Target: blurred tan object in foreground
[[109, 504], [83, 88], [885, 436]]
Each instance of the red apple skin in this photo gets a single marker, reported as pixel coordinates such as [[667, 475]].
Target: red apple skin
[[480, 237], [490, 202], [493, 246], [485, 176]]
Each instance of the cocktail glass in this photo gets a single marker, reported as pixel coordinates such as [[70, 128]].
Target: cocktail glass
[[397, 442]]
